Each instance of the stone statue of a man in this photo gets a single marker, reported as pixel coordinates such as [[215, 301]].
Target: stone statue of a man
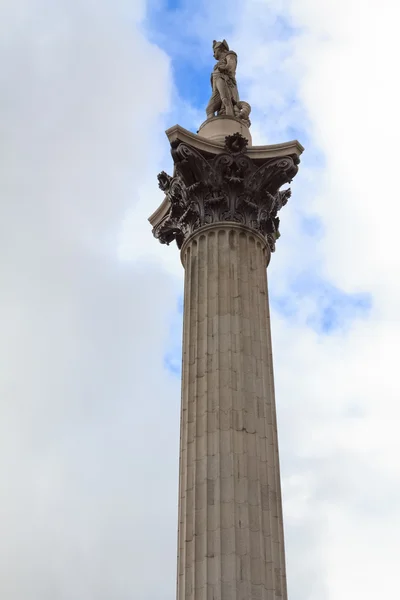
[[225, 96], [223, 81]]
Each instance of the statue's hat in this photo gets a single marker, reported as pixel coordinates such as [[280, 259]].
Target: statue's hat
[[224, 43]]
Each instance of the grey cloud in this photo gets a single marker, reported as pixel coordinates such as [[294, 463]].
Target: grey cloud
[[89, 418]]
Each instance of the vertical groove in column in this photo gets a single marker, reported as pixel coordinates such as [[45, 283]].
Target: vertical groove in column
[[204, 550], [255, 495], [191, 465], [232, 312], [220, 298], [181, 445], [192, 424], [201, 525], [264, 399], [242, 537], [183, 437], [274, 568], [211, 415], [271, 573], [260, 421], [262, 441], [229, 578], [275, 514], [280, 532], [199, 369], [248, 437]]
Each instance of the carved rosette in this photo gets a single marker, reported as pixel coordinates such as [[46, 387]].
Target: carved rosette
[[227, 187]]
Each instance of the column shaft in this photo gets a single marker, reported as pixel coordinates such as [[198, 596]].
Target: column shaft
[[230, 538]]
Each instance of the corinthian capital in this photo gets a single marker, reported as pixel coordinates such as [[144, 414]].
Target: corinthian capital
[[230, 183]]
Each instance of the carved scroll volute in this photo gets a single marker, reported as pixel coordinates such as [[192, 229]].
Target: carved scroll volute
[[227, 187]]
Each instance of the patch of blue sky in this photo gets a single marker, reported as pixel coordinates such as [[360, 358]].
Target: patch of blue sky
[[330, 308], [284, 30], [172, 363], [312, 226], [174, 4], [285, 305], [167, 25]]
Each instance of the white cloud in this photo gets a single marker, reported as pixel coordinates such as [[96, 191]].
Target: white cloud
[[81, 457]]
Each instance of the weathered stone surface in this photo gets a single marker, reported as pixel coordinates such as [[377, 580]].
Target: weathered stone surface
[[228, 186], [217, 129], [230, 514]]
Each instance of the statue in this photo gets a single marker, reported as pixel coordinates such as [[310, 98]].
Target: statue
[[225, 96]]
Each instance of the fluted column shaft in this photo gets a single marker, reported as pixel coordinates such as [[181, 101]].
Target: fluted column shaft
[[230, 538]]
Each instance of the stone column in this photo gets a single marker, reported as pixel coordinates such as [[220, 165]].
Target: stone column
[[230, 511], [221, 208]]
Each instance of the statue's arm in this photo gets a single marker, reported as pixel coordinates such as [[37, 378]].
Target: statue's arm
[[231, 63]]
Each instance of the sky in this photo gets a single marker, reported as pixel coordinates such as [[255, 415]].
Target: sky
[[91, 304]]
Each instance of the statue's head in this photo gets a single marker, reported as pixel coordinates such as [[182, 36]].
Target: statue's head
[[220, 48]]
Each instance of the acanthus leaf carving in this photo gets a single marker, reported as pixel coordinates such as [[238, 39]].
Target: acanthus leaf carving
[[226, 187]]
